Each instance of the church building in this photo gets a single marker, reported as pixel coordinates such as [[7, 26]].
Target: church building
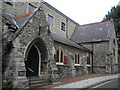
[[41, 44]]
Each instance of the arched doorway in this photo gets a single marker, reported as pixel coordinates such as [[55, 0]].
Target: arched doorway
[[36, 58], [33, 62]]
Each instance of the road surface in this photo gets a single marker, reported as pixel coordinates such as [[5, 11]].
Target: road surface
[[111, 84]]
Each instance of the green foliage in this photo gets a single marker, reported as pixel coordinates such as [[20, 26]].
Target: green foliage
[[115, 15], [8, 86]]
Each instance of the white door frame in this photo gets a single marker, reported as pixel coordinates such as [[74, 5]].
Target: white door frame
[[39, 68]]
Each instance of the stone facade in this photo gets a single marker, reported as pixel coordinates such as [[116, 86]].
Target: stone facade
[[105, 54], [15, 70], [72, 69], [32, 47], [59, 17], [99, 50], [16, 9]]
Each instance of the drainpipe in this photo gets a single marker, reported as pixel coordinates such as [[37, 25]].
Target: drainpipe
[[67, 28], [92, 58]]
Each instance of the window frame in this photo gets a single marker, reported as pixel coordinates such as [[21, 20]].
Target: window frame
[[88, 58], [50, 20], [57, 55], [77, 59], [63, 26], [58, 62]]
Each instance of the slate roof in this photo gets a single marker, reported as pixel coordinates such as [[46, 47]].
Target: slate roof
[[21, 18], [64, 40], [7, 18], [95, 32], [24, 23]]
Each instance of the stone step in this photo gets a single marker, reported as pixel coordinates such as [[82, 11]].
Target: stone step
[[38, 81], [39, 85], [37, 78]]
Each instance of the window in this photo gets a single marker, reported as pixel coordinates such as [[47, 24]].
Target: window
[[59, 56], [114, 41], [77, 58], [50, 20], [31, 8], [57, 60], [63, 26], [9, 2], [113, 51], [88, 59]]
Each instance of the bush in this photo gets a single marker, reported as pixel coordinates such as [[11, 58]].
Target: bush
[[8, 86]]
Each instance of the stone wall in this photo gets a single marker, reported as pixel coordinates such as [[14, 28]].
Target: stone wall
[[113, 48], [99, 55], [16, 8], [57, 19], [72, 69], [15, 69], [103, 60]]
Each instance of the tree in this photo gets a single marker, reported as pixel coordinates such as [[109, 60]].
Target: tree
[[115, 15]]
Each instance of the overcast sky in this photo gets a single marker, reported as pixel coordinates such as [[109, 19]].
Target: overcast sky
[[84, 11]]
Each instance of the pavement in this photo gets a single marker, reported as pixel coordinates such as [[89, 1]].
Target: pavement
[[82, 81], [88, 82]]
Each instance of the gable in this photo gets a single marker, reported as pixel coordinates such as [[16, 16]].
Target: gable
[[96, 32]]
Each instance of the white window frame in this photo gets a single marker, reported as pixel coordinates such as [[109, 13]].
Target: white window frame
[[60, 63], [77, 64], [62, 26], [89, 60]]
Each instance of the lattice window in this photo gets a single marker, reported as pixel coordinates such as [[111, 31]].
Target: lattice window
[[63, 26]]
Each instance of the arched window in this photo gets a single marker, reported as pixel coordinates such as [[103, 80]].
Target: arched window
[[78, 59], [75, 58], [61, 57], [57, 56], [88, 59]]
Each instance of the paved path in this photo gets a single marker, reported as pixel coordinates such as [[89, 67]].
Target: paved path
[[88, 82]]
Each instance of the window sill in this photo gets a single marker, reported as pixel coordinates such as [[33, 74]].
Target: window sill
[[88, 65], [59, 63], [77, 64]]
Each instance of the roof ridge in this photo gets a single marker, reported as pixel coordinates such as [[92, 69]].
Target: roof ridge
[[22, 15], [92, 23]]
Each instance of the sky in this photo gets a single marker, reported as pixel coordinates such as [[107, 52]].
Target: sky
[[84, 11]]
